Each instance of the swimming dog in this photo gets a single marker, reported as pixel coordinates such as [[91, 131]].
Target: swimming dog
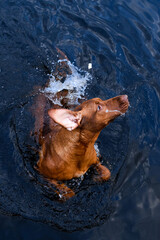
[[67, 137]]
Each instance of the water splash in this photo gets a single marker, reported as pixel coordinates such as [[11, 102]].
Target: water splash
[[97, 149], [76, 84]]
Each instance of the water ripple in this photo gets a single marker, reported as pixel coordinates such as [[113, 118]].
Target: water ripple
[[122, 41]]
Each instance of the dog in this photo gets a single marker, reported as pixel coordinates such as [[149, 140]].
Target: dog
[[67, 137]]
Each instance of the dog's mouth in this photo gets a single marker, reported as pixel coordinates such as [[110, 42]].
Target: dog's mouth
[[112, 111]]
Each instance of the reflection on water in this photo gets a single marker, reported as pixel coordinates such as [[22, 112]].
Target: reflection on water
[[122, 40]]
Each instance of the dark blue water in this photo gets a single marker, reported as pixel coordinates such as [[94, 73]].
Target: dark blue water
[[122, 41]]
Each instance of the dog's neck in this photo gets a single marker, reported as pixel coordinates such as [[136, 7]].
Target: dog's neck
[[79, 136], [87, 137], [74, 143], [76, 147]]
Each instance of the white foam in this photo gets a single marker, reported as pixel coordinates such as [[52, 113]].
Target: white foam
[[75, 83], [114, 111], [89, 65], [97, 149]]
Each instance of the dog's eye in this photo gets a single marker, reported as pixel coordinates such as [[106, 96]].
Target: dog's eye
[[99, 107]]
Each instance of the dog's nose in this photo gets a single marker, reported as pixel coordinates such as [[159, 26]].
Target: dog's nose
[[124, 97]]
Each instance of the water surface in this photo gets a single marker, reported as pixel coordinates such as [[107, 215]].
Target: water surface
[[122, 41]]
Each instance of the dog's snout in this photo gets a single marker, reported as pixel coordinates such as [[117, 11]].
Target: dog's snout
[[118, 104], [124, 103], [124, 98]]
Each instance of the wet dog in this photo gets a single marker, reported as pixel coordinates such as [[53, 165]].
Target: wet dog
[[67, 137]]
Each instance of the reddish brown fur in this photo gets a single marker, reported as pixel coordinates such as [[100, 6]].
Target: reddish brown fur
[[68, 154], [67, 148]]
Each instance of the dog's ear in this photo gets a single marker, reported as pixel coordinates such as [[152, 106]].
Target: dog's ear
[[66, 118]]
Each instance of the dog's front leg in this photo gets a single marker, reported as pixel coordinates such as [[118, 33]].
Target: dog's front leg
[[103, 173], [62, 190]]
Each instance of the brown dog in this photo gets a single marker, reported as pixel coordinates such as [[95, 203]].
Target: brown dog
[[67, 146]]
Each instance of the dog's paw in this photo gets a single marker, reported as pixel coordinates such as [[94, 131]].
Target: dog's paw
[[103, 174], [64, 193]]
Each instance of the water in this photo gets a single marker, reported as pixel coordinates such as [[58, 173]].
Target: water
[[122, 41], [75, 84]]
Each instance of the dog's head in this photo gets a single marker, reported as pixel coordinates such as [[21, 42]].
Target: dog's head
[[93, 114]]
